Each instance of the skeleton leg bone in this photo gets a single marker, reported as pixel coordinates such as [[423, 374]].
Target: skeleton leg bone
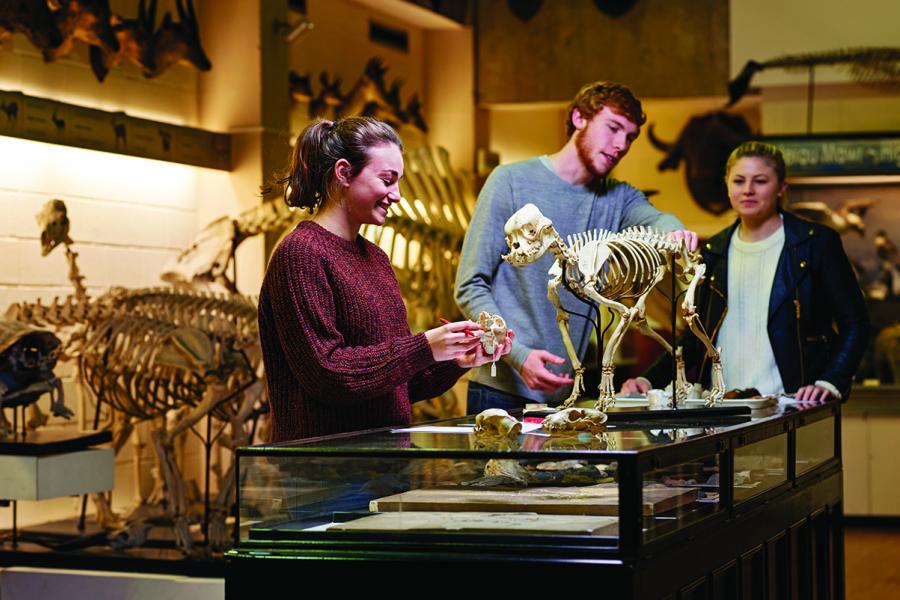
[[562, 319], [680, 386], [175, 490], [219, 533], [717, 393], [164, 440], [689, 314], [607, 397]]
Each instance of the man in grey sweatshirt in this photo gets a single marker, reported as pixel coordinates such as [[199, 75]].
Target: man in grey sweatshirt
[[572, 189]]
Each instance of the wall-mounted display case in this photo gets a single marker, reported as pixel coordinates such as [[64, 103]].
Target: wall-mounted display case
[[652, 507]]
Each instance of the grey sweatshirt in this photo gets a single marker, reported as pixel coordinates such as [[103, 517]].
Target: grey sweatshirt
[[484, 282]]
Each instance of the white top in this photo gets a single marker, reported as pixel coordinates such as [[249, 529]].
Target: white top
[[747, 355]]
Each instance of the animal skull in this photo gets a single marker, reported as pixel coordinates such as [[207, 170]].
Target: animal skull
[[525, 234], [54, 223], [575, 419], [496, 421], [494, 328]]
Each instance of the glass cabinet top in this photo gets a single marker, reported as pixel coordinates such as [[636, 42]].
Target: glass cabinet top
[[456, 435]]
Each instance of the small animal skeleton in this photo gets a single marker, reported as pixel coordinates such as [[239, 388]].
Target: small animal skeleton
[[608, 268], [497, 422]]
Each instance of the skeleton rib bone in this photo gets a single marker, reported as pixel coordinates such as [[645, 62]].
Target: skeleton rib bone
[[608, 268]]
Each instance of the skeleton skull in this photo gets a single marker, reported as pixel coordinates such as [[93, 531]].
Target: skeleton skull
[[54, 224], [575, 419], [494, 328], [525, 235], [496, 421]]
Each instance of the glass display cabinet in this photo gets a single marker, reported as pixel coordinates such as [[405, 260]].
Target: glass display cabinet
[[737, 506]]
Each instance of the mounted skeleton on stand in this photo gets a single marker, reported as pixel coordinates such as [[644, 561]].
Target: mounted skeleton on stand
[[608, 268], [160, 355]]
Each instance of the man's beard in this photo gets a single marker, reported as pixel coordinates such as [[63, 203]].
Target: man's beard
[[584, 155]]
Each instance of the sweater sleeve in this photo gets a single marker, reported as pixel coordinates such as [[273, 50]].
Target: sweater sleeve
[[314, 348], [638, 211], [485, 242], [434, 381]]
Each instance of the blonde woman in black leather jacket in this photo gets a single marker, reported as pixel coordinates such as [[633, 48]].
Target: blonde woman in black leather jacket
[[776, 273]]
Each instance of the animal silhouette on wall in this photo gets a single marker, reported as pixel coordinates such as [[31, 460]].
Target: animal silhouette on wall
[[120, 131], [58, 121], [165, 138], [111, 37], [704, 145], [11, 109]]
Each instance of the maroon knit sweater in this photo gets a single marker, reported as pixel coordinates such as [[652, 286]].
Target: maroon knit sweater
[[337, 348]]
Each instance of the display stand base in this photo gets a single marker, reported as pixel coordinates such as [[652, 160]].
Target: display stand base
[[52, 441], [60, 545], [681, 414]]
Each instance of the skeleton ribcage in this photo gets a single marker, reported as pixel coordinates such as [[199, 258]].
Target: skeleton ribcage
[[629, 271], [153, 352], [119, 365], [621, 265]]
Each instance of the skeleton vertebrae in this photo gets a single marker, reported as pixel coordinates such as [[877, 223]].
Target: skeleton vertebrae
[[621, 265], [607, 268]]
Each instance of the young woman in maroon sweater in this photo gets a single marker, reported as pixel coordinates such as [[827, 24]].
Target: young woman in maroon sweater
[[337, 348]]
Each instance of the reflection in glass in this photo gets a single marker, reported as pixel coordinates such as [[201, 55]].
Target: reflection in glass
[[759, 467], [677, 495], [815, 445]]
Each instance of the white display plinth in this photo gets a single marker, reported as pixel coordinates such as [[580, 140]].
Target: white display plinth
[[23, 583], [55, 475]]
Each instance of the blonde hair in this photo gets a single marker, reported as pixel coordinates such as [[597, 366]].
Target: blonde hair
[[770, 154], [761, 150]]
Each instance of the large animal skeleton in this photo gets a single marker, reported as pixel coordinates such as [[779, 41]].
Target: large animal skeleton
[[157, 353], [607, 269], [370, 96]]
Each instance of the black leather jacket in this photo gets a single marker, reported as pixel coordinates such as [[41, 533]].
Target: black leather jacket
[[814, 291]]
